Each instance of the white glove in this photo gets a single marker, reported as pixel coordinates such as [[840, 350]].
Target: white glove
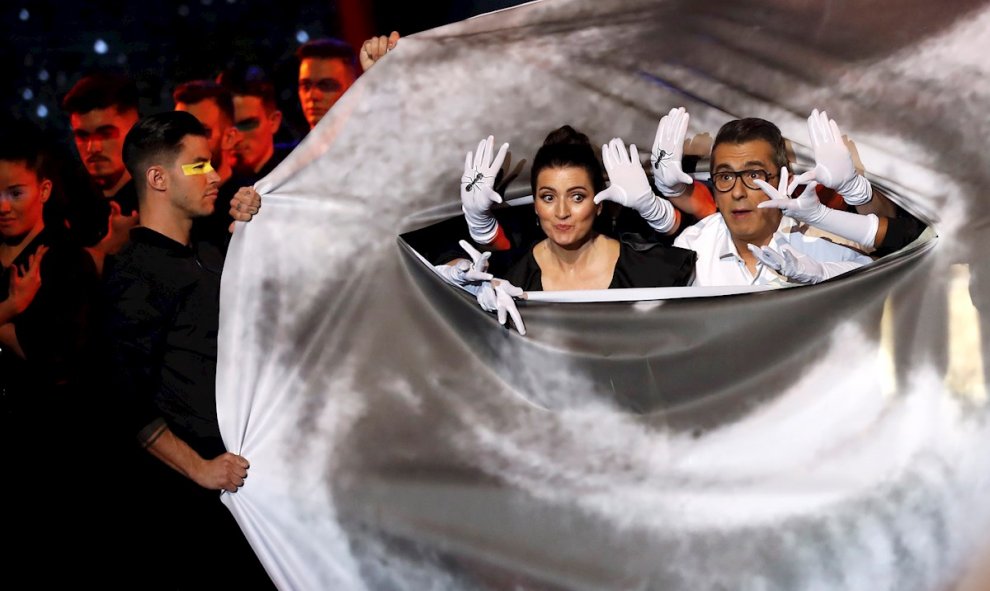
[[478, 190], [668, 150], [834, 166], [790, 263], [463, 272], [861, 229], [629, 186], [496, 296]]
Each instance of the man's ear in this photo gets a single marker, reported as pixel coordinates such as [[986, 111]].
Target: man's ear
[[275, 117], [156, 177], [229, 138], [46, 190]]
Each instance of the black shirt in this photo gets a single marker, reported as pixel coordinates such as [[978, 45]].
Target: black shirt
[[639, 265], [163, 316], [54, 330]]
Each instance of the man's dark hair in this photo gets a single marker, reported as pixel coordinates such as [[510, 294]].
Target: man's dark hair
[[327, 48], [101, 91], [197, 91], [250, 81], [565, 147], [157, 139], [25, 143], [741, 131]]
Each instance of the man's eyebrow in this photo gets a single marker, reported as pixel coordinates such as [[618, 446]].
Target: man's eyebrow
[[107, 128]]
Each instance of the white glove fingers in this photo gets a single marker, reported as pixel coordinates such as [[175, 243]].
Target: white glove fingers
[[606, 158], [489, 149], [618, 149], [473, 252], [479, 155], [499, 158], [809, 190], [468, 159], [633, 154], [782, 185], [769, 190], [800, 179], [836, 133], [516, 316], [481, 263], [681, 133], [814, 129]]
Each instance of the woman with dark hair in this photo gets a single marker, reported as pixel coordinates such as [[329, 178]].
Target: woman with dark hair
[[568, 187]]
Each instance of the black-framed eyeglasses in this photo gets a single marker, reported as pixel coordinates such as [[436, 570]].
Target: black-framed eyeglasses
[[724, 180]]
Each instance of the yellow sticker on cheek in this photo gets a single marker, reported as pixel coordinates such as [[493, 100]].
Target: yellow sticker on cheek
[[197, 168]]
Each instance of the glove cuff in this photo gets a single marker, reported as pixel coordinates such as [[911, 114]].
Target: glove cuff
[[670, 191], [659, 214], [482, 226], [856, 191]]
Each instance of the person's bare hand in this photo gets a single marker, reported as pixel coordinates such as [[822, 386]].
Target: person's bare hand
[[25, 281], [373, 49], [244, 205], [225, 472], [118, 229]]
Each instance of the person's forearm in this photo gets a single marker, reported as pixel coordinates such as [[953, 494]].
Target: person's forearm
[[175, 453], [881, 205], [8, 339], [696, 201], [7, 311]]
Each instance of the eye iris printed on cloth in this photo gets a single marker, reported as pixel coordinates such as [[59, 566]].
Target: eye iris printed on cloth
[[197, 168]]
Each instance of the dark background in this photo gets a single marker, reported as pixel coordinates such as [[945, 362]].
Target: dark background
[[47, 45]]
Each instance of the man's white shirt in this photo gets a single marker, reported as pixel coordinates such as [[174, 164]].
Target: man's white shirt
[[719, 262]]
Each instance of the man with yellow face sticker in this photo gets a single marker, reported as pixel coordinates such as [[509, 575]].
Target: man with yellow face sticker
[[213, 106], [163, 300], [197, 168]]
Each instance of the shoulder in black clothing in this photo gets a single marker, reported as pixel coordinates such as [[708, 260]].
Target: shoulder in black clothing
[[640, 264], [643, 264]]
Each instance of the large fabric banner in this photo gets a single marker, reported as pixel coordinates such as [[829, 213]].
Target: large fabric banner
[[824, 437]]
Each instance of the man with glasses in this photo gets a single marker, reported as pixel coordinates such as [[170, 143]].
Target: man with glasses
[[326, 70], [747, 244]]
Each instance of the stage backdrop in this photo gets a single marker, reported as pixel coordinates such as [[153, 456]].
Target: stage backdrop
[[825, 437]]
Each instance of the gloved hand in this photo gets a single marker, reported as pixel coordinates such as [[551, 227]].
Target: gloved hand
[[463, 272], [668, 150], [790, 263], [809, 209], [477, 190], [497, 296], [629, 186], [834, 166]]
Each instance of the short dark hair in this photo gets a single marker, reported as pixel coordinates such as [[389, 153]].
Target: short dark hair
[[101, 91], [249, 81], [327, 48], [26, 143], [565, 147], [197, 91], [749, 129], [159, 137]]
